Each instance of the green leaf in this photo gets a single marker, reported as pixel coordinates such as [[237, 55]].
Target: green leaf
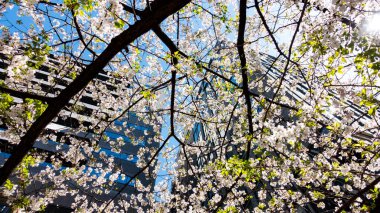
[[8, 184], [119, 24], [372, 110], [148, 95], [5, 101]]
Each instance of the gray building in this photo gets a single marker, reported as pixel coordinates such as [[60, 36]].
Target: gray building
[[62, 135]]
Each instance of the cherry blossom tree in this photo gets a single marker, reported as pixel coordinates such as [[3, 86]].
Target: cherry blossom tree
[[283, 94]]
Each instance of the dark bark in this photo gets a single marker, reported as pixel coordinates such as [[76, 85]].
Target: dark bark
[[151, 17], [244, 70]]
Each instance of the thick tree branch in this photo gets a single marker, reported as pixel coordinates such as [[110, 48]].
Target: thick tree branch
[[244, 69], [172, 96], [158, 11]]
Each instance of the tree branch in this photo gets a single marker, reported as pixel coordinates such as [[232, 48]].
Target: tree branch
[[243, 64]]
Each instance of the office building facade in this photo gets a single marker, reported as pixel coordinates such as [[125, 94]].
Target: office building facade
[[117, 141]]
